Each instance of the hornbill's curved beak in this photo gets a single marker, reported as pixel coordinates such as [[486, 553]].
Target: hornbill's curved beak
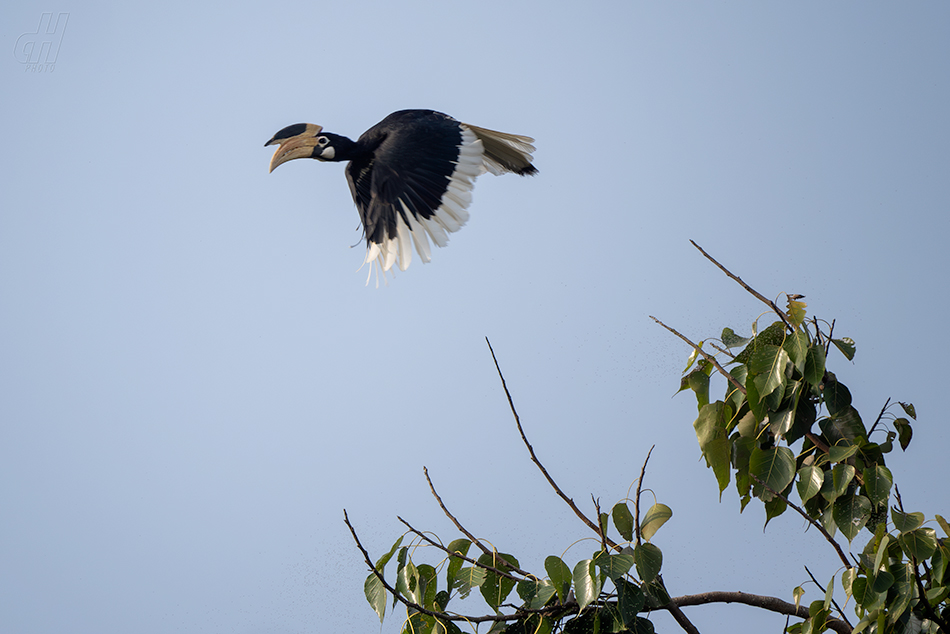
[[294, 141]]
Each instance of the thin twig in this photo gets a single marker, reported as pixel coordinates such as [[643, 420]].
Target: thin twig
[[600, 523], [722, 350], [465, 532], [880, 416], [706, 356], [454, 553], [636, 500], [534, 457], [748, 288], [833, 602], [810, 520]]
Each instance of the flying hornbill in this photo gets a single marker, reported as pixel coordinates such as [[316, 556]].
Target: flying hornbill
[[411, 174]]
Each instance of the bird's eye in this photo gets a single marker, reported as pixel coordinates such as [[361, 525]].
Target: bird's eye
[[322, 141]]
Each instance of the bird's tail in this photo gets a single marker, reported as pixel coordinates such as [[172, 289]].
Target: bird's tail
[[506, 152]]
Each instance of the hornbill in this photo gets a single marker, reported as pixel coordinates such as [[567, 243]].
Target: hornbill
[[411, 174]]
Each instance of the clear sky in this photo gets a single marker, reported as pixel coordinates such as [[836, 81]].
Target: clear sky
[[194, 381]]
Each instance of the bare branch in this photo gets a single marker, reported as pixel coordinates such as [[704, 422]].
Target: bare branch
[[748, 288], [636, 500], [534, 458], [674, 610], [771, 604], [705, 355], [457, 554], [810, 520], [471, 537]]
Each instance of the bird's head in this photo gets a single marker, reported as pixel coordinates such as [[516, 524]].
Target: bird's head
[[301, 140]]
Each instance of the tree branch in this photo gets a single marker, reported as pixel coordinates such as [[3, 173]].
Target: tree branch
[[458, 554], [706, 356], [748, 288], [534, 457], [636, 500], [833, 602], [771, 604], [674, 610], [471, 537], [810, 520], [439, 615]]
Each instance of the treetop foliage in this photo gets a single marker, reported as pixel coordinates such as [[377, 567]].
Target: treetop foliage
[[787, 434]]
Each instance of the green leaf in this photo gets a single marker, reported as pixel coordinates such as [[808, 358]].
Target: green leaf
[[560, 576], [710, 429], [649, 559], [829, 593], [796, 310], [841, 477], [920, 543], [382, 561], [909, 409], [407, 582], [698, 381], [586, 583], [841, 452], [944, 525], [642, 626], [877, 484], [692, 357], [814, 364], [731, 340], [845, 425], [461, 547], [882, 581], [630, 601], [809, 482], [775, 467], [467, 578], [904, 432], [905, 522], [796, 345], [847, 578], [851, 514], [797, 593], [375, 593], [535, 594], [623, 520], [865, 596], [902, 590], [837, 397], [613, 566], [773, 508], [496, 588], [846, 346], [657, 515], [781, 422], [767, 366], [427, 585]]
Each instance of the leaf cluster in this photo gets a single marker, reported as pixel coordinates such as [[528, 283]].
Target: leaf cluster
[[786, 427]]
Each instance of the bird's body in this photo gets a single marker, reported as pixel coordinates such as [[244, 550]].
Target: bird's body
[[411, 175]]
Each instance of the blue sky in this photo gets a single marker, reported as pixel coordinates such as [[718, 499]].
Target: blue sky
[[194, 381]]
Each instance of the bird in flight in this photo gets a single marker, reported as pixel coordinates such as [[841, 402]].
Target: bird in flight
[[411, 176]]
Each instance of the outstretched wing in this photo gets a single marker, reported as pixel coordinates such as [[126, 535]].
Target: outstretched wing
[[416, 185]]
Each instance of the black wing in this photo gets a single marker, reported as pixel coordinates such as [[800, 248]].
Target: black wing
[[416, 183]]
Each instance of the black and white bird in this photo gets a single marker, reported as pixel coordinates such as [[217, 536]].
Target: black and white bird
[[411, 176]]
